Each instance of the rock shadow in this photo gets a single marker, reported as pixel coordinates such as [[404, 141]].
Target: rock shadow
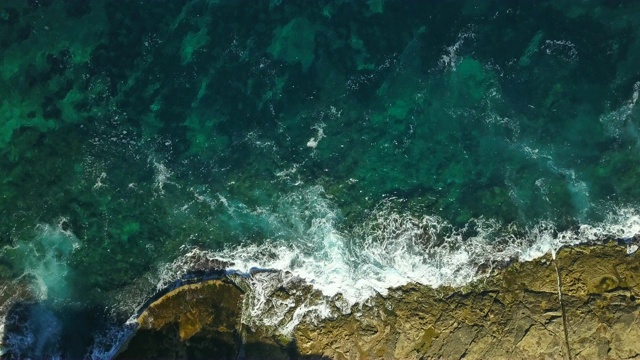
[[42, 330]]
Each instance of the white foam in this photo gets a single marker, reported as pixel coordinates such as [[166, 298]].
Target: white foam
[[578, 189], [44, 259], [563, 49], [37, 338], [450, 59], [99, 184], [44, 264], [161, 177], [388, 250], [109, 343], [314, 141], [615, 120]]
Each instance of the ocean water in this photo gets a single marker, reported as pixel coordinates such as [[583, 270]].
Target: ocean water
[[357, 146]]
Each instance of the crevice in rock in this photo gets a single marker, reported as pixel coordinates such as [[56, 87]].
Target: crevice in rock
[[563, 310], [464, 354], [536, 292], [525, 332]]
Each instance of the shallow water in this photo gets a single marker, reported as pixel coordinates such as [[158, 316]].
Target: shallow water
[[359, 146]]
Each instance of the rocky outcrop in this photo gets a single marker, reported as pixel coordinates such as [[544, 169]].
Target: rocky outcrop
[[520, 311], [582, 304], [191, 321], [11, 292]]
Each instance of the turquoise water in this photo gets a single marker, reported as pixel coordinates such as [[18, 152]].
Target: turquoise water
[[358, 145]]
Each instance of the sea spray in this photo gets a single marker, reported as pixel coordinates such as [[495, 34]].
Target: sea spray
[[323, 270], [329, 271], [45, 259]]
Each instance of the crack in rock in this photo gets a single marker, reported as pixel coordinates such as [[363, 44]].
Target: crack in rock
[[562, 309]]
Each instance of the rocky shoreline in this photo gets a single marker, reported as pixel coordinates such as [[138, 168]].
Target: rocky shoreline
[[580, 304]]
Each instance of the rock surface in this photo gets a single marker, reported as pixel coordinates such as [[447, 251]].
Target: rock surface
[[11, 292], [581, 305], [191, 321]]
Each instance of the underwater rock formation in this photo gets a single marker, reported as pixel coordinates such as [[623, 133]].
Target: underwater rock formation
[[582, 303]]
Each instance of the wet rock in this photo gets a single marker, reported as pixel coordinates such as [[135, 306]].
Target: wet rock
[[514, 313], [190, 321], [11, 293], [520, 311]]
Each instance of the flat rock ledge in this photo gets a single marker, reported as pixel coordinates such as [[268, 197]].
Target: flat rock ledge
[[581, 305]]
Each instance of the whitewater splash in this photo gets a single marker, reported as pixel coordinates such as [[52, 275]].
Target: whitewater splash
[[324, 270], [388, 250]]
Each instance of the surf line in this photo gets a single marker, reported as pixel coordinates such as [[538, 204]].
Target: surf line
[[234, 277]]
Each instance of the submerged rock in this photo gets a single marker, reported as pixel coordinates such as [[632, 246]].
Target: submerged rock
[[582, 304]]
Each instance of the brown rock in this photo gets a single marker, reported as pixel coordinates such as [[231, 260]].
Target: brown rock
[[515, 312], [191, 321]]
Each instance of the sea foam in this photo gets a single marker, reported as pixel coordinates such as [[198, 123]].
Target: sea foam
[[390, 249]]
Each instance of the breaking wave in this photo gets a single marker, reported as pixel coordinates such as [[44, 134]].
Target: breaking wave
[[326, 269], [389, 249]]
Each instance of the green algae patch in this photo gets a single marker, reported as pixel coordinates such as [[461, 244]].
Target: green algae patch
[[129, 229], [470, 80], [192, 42], [295, 43], [376, 6], [427, 338], [532, 48], [363, 59], [202, 134]]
